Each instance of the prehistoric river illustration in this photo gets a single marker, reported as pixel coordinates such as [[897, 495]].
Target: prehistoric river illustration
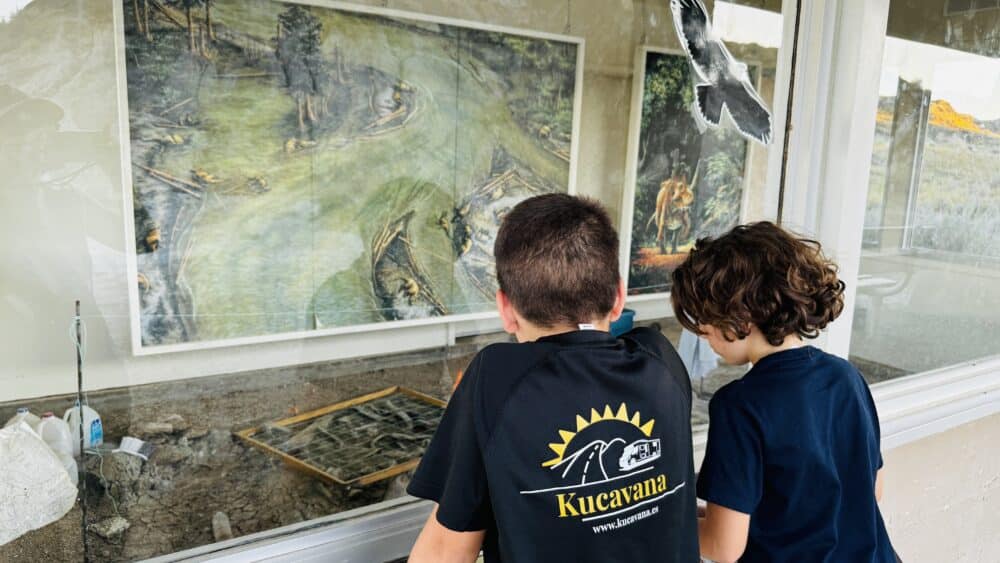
[[298, 168]]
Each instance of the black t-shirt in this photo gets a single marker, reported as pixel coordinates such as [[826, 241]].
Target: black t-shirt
[[795, 444], [576, 447]]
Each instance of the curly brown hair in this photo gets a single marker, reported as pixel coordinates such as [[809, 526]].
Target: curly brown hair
[[758, 275]]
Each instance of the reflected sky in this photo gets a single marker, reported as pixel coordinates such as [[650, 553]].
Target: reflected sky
[[744, 24], [10, 7], [971, 83]]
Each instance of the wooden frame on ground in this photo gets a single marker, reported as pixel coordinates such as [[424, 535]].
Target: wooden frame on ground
[[248, 434]]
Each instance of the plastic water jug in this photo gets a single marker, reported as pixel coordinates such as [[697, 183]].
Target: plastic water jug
[[23, 414], [93, 429], [69, 464], [55, 433]]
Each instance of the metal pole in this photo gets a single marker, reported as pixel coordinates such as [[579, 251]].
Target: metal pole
[[788, 111], [81, 486], [79, 374]]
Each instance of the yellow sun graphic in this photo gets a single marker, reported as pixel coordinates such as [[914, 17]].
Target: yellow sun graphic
[[581, 423]]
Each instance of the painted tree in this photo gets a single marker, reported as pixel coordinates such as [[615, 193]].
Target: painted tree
[[188, 6], [298, 44], [666, 130], [142, 18], [723, 179], [549, 65], [666, 105], [208, 19], [138, 17]]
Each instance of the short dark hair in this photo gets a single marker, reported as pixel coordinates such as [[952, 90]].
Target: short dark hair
[[762, 275], [557, 259]]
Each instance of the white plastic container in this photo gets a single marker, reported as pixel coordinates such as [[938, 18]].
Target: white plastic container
[[69, 464], [55, 433], [23, 414], [35, 488], [93, 429]]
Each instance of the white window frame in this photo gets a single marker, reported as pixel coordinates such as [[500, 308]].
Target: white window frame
[[829, 155], [829, 161]]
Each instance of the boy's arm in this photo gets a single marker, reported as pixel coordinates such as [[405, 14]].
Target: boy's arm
[[876, 427], [722, 533], [453, 475], [731, 477], [439, 544]]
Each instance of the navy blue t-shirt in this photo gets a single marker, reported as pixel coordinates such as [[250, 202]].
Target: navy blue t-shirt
[[576, 447], [795, 444]]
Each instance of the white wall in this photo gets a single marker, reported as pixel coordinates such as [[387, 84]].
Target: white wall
[[942, 495]]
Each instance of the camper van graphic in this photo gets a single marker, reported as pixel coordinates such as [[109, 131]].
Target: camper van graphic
[[639, 453]]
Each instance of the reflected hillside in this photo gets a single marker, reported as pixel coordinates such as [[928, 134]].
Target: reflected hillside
[[957, 199]]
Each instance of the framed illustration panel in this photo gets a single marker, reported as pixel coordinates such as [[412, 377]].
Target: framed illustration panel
[[682, 182], [302, 169]]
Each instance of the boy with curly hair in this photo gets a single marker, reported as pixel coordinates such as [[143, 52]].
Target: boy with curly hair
[[792, 464]]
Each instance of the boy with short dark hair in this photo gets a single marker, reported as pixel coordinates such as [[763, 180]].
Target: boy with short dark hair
[[792, 463], [570, 445]]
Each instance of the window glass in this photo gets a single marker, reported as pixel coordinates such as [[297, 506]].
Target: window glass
[[277, 220], [928, 293], [731, 177], [687, 178]]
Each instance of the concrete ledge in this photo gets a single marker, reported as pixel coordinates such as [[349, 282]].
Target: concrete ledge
[[377, 533], [921, 405]]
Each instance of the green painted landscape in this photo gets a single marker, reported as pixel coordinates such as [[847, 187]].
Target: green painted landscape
[[297, 168], [689, 184]]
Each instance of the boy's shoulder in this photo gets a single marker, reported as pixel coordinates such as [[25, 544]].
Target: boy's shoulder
[[514, 358], [495, 372], [652, 341], [730, 393], [831, 360], [837, 368], [755, 385], [497, 368], [510, 358]]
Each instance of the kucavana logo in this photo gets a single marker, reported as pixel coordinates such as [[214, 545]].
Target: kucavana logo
[[573, 448], [606, 467]]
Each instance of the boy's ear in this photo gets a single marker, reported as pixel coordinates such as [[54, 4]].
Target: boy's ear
[[616, 311], [506, 310]]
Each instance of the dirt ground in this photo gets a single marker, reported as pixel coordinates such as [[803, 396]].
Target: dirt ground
[[199, 468], [651, 258]]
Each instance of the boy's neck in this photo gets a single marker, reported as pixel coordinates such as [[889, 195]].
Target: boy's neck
[[529, 332], [759, 347]]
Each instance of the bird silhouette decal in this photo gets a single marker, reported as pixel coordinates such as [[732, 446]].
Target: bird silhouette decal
[[722, 80]]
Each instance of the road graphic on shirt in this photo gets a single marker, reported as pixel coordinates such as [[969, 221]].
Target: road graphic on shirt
[[606, 467]]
